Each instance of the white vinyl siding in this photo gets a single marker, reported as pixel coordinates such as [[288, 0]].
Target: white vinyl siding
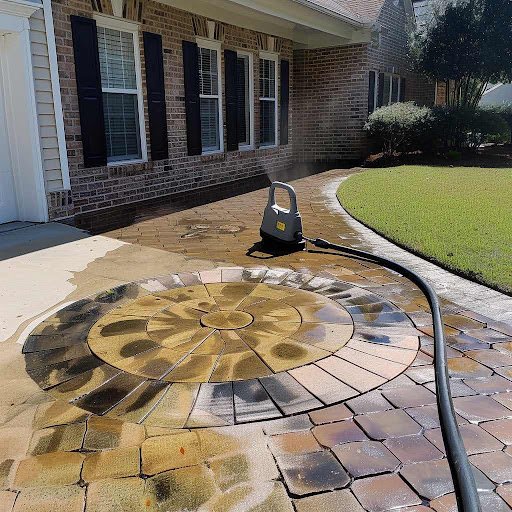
[[268, 101], [209, 99], [121, 92], [44, 104]]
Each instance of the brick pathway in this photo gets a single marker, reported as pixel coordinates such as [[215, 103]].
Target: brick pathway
[[380, 450]]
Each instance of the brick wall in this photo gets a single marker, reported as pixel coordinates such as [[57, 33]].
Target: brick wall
[[331, 89], [106, 187]]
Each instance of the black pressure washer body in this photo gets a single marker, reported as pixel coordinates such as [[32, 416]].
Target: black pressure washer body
[[282, 226]]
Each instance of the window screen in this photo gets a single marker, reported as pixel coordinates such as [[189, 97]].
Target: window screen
[[267, 102], [209, 99], [120, 94], [244, 108]]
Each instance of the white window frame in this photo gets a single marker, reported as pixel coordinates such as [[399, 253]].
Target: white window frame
[[274, 57], [132, 28], [250, 55], [391, 76], [213, 44]]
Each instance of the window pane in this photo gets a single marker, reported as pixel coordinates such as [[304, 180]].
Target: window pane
[[244, 113], [394, 90], [117, 59], [267, 78], [208, 76], [267, 123], [210, 124], [121, 126], [387, 86]]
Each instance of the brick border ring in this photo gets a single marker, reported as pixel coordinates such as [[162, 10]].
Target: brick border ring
[[220, 347]]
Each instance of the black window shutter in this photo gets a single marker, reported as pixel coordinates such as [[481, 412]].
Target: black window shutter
[[371, 92], [192, 106], [285, 100], [380, 93], [156, 95], [90, 99], [402, 89], [231, 77]]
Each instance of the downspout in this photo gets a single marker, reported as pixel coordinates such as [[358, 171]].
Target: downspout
[[57, 101]]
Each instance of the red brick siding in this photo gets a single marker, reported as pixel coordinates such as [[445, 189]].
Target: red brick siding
[[105, 187]]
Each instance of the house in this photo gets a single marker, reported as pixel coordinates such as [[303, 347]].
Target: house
[[159, 99], [497, 94]]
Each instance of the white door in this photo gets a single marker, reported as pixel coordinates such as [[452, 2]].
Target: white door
[[8, 209]]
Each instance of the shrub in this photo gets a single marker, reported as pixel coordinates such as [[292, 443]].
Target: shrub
[[505, 111], [400, 127]]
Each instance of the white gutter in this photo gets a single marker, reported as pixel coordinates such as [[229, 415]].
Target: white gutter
[[57, 101]]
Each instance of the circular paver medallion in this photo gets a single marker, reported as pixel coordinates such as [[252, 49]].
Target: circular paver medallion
[[220, 347], [220, 332]]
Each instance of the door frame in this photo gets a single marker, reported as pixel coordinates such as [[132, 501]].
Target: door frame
[[21, 110]]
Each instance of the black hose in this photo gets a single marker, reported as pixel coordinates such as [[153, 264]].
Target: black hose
[[462, 474]]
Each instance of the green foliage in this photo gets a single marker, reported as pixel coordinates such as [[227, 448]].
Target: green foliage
[[467, 43], [406, 127], [399, 127], [459, 216], [505, 111]]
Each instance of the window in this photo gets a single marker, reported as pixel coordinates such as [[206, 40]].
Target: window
[[122, 97], [209, 99], [391, 89], [268, 101], [245, 99]]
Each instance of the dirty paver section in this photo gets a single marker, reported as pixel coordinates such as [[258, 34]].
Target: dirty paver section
[[251, 381]]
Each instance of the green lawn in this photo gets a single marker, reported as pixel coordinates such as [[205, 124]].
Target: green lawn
[[460, 217]]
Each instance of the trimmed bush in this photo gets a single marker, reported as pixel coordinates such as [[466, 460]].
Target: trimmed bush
[[400, 127], [505, 111]]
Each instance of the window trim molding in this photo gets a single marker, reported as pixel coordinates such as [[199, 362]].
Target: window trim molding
[[132, 28], [391, 76], [250, 55], [213, 44], [275, 58]]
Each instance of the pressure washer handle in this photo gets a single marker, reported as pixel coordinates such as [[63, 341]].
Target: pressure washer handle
[[291, 193]]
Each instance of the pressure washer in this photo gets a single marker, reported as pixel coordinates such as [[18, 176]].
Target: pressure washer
[[283, 227]]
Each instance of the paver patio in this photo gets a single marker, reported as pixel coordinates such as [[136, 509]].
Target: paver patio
[[226, 380]]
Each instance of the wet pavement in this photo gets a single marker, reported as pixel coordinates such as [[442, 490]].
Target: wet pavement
[[248, 380]]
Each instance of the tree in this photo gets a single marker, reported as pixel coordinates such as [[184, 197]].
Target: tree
[[468, 44]]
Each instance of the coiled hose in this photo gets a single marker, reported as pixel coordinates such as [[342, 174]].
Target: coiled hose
[[462, 474]]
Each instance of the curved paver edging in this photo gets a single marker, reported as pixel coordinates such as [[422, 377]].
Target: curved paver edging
[[469, 294], [123, 353]]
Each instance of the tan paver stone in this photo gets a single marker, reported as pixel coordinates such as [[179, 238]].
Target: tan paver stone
[[170, 452], [51, 469], [14, 442], [296, 423], [331, 414], [178, 490], [7, 499], [244, 467], [461, 322], [504, 399], [490, 357], [61, 438], [384, 492], [118, 463], [480, 408], [119, 495], [353, 375], [500, 429], [505, 491], [366, 458], [383, 367], [488, 501], [105, 433], [334, 501], [411, 449], [312, 472], [466, 368], [70, 498], [476, 439], [51, 414], [396, 354], [6, 468], [337, 433], [174, 408], [388, 424], [411, 396], [496, 465], [294, 443], [487, 385], [322, 384]]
